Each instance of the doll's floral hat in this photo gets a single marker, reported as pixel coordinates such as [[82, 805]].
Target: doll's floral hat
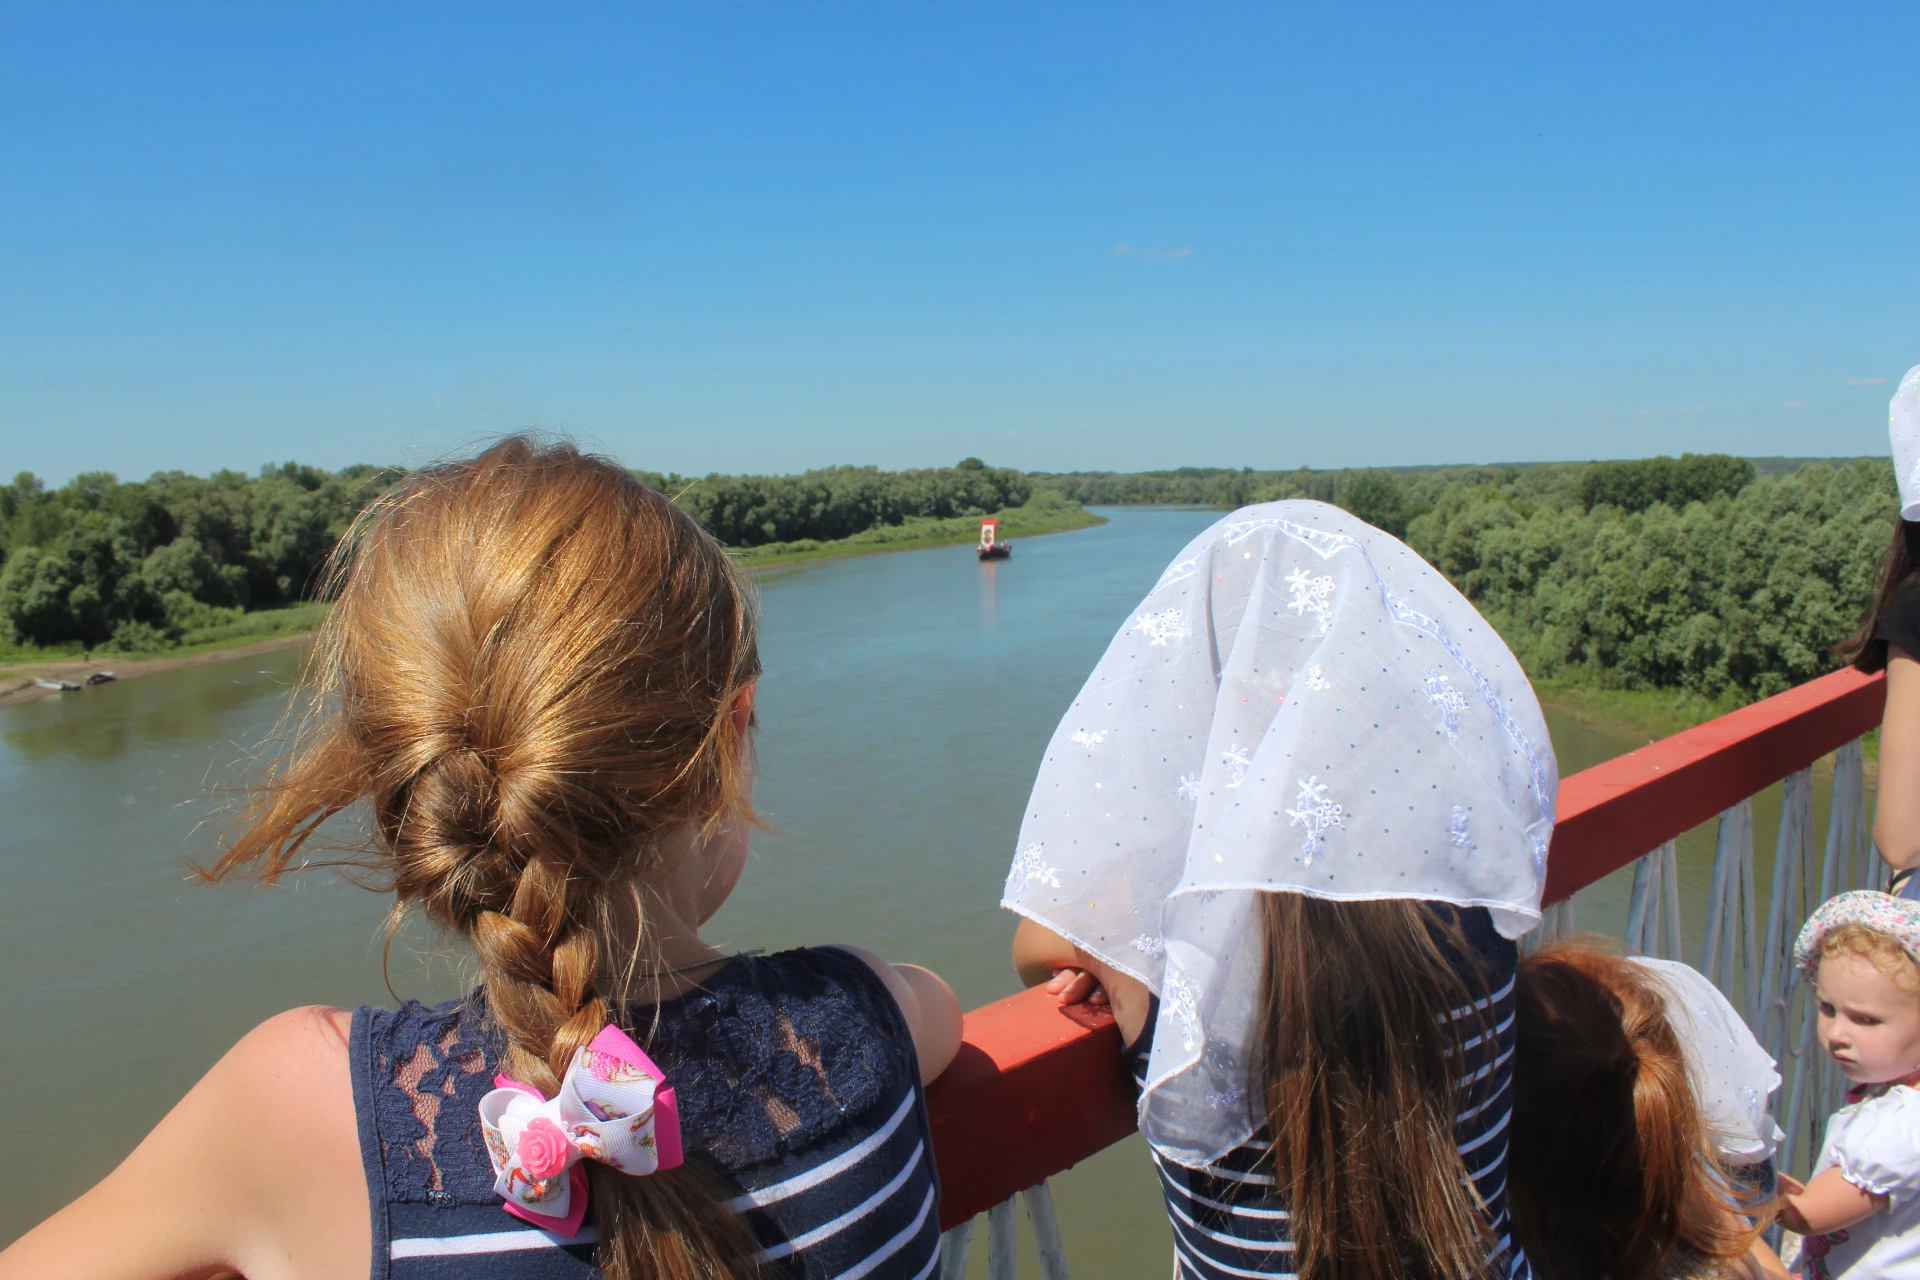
[[1898, 918]]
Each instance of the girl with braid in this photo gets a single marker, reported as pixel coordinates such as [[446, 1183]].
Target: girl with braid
[[536, 684]]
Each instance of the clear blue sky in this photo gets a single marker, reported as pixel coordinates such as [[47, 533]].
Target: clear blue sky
[[733, 237]]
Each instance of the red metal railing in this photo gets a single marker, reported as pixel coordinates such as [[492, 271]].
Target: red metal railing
[[1036, 1089]]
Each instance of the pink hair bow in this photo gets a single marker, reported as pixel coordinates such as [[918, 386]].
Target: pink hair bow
[[613, 1106]]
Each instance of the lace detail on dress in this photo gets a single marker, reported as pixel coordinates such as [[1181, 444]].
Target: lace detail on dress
[[775, 1054], [431, 1067], [771, 1055]]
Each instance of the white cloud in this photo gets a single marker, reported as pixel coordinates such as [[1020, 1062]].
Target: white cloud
[[1178, 253], [1866, 382], [1121, 250], [1675, 408], [1794, 404]]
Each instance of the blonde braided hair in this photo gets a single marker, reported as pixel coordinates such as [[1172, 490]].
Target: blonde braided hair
[[530, 674]]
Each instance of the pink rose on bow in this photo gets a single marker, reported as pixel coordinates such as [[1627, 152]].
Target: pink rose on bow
[[543, 1148]]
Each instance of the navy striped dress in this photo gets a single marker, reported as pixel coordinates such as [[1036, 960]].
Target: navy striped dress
[[1226, 1219], [798, 1088]]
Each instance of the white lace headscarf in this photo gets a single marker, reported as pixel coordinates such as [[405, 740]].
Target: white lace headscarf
[[1903, 425], [1301, 704], [1732, 1076]]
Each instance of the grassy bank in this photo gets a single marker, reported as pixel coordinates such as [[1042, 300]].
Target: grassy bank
[[1647, 715], [1644, 714], [251, 628], [1046, 513]]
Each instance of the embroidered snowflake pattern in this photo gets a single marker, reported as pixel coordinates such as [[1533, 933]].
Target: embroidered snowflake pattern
[[1149, 946], [1030, 868], [1316, 811], [1324, 544], [1457, 830], [1163, 625], [1090, 737], [1183, 569], [1237, 764], [1442, 694], [1311, 595], [1315, 684], [1180, 999], [1190, 787]]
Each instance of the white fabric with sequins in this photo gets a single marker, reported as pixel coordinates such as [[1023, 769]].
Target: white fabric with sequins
[[1300, 704], [1732, 1076], [1903, 426]]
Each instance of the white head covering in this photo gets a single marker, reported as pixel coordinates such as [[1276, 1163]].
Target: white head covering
[[1732, 1076], [1301, 704], [1903, 424]]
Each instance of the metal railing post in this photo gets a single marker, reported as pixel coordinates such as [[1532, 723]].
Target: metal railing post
[[1046, 1232], [955, 1245], [1001, 1241]]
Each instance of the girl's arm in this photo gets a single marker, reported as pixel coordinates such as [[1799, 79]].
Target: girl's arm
[[1043, 956], [1896, 824], [1827, 1203], [927, 1003], [256, 1170]]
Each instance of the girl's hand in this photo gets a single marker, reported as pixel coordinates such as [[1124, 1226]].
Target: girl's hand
[[1045, 959], [1076, 986]]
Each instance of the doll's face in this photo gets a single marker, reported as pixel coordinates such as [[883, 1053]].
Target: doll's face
[[1869, 1022]]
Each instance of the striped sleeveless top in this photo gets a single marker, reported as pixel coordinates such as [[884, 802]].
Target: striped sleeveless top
[[1227, 1221], [798, 1090]]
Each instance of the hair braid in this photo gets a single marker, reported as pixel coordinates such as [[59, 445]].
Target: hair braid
[[529, 674]]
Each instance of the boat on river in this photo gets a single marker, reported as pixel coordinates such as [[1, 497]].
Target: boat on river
[[991, 548], [59, 686]]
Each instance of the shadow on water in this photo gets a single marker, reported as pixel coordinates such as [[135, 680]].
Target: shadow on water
[[906, 702]]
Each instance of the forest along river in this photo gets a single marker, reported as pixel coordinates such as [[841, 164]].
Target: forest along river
[[906, 702]]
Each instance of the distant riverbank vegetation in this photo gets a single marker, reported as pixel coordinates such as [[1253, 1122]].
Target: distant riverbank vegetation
[[1706, 577], [148, 566]]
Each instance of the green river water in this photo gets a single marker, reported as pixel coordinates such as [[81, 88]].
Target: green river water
[[906, 702]]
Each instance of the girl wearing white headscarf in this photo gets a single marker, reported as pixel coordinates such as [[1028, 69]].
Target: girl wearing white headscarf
[[1641, 1137], [1890, 642], [1291, 825]]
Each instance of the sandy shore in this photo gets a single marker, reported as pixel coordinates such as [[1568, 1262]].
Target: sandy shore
[[17, 682]]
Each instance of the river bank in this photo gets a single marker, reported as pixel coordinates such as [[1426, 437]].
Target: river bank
[[290, 628], [17, 681], [1036, 519]]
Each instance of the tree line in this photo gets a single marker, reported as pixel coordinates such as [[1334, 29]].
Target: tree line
[[838, 502], [140, 565], [1695, 573]]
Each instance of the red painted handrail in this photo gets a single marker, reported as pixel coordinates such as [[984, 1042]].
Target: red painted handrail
[[1614, 812], [1036, 1088]]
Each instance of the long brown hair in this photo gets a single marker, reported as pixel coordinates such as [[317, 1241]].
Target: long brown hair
[[1866, 651], [530, 675], [1360, 1066], [1611, 1169]]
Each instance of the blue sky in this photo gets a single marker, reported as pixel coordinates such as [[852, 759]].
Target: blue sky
[[752, 238]]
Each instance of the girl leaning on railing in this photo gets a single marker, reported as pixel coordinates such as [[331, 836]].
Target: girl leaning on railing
[[1292, 824], [536, 684]]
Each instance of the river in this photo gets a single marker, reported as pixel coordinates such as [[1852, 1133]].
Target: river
[[906, 701]]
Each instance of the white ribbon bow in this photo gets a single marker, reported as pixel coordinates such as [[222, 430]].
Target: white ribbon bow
[[614, 1106]]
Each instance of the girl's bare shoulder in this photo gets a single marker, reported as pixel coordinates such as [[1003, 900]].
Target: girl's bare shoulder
[[257, 1170]]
